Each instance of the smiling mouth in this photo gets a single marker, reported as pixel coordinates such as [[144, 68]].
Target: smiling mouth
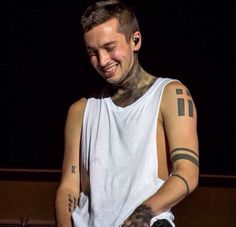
[[110, 70]]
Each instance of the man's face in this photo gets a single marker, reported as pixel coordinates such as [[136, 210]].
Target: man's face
[[109, 52]]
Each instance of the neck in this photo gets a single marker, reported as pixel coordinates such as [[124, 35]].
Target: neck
[[136, 83]]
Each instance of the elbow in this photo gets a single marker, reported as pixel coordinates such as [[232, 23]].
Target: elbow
[[193, 181], [190, 173], [67, 189]]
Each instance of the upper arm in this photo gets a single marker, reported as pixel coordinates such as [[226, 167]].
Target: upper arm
[[72, 134], [180, 122], [179, 116]]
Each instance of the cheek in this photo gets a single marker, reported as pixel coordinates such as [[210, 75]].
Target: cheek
[[119, 55], [93, 60], [121, 52]]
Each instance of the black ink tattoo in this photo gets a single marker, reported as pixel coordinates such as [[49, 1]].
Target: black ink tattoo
[[181, 103], [141, 217], [181, 107], [185, 182], [73, 169], [70, 202], [75, 203], [184, 149], [179, 91], [185, 156], [190, 108]]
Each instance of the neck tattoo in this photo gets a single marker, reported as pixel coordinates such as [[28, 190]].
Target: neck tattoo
[[133, 87]]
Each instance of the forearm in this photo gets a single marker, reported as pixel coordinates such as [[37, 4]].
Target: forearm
[[180, 184], [66, 202], [176, 188]]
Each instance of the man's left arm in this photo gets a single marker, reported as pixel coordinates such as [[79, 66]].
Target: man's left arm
[[180, 123]]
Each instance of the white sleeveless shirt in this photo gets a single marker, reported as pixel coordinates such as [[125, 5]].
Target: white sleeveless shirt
[[119, 154]]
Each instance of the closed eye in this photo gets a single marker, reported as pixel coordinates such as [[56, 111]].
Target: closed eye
[[109, 48], [92, 52]]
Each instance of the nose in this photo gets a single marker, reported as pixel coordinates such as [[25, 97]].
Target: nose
[[103, 58]]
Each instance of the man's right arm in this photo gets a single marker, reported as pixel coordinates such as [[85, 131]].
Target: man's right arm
[[69, 187]]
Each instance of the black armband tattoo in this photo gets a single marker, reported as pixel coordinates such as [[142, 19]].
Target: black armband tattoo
[[184, 149], [183, 180], [185, 156], [175, 157]]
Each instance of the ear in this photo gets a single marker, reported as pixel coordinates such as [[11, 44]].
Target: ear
[[136, 41]]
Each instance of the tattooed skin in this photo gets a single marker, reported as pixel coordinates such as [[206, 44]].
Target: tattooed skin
[[185, 153], [190, 106], [183, 180], [71, 203], [179, 91], [186, 157], [181, 111], [73, 169], [133, 87], [181, 103], [75, 203], [141, 217]]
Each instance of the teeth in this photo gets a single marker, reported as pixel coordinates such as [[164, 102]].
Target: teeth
[[111, 69]]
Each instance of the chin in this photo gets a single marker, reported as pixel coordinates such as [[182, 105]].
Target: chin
[[111, 81], [114, 80]]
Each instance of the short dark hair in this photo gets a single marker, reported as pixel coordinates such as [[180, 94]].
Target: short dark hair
[[102, 11]]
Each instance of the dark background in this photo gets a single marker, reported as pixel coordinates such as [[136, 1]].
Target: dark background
[[44, 69]]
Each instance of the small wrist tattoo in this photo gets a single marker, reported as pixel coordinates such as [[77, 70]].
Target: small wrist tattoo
[[73, 169]]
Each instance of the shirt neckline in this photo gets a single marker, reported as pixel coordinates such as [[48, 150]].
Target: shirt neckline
[[135, 102]]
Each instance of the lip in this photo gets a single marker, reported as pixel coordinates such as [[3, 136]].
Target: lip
[[110, 71]]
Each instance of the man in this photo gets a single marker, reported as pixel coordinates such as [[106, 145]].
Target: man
[[119, 142]]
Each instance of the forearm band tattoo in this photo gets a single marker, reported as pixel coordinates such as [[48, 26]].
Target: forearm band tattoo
[[185, 182]]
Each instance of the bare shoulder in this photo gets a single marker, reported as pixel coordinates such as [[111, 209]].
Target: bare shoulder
[[75, 114], [175, 90], [77, 108], [177, 99]]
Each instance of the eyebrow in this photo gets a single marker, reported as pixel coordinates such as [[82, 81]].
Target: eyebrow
[[109, 43], [103, 46]]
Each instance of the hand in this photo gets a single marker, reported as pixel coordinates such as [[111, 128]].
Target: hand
[[141, 217]]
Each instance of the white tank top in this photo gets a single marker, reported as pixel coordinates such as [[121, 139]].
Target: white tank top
[[119, 154]]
